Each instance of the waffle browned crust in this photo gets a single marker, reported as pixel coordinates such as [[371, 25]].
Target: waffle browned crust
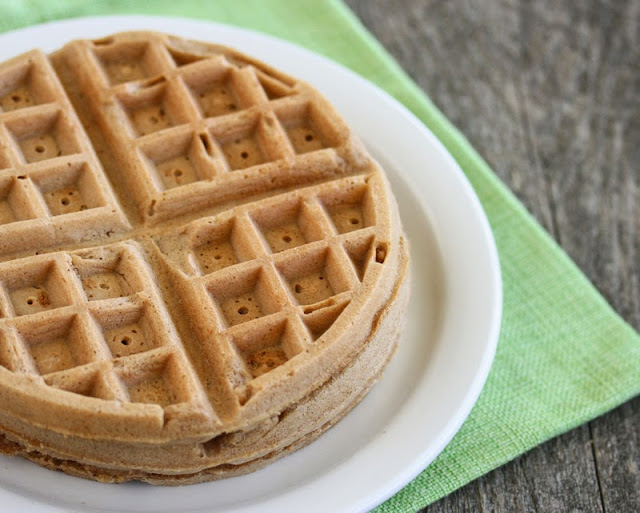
[[201, 269]]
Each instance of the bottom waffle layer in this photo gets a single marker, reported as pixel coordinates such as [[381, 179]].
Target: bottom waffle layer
[[334, 399]]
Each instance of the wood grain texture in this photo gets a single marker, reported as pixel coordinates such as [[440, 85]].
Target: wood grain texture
[[548, 92]]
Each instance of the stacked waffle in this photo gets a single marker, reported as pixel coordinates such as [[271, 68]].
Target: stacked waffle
[[201, 269]]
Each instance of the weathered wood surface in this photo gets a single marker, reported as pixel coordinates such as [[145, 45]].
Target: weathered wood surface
[[549, 93]]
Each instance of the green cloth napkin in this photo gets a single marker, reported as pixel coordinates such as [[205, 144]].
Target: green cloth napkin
[[563, 357]]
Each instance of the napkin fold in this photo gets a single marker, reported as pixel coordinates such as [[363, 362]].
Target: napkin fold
[[564, 356]]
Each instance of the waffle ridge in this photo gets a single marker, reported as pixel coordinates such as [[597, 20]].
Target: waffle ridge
[[187, 239]]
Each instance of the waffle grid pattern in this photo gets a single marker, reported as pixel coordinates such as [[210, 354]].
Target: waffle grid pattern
[[91, 323], [51, 185], [275, 276], [267, 276], [190, 119]]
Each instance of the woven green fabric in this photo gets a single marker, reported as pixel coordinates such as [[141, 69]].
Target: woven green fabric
[[563, 357]]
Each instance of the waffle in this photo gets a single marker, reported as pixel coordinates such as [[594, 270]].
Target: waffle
[[201, 268]]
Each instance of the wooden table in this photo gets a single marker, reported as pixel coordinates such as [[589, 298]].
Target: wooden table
[[548, 92]]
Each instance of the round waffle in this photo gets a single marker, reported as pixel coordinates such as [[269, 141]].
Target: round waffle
[[201, 268]]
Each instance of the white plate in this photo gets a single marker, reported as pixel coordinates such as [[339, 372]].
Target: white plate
[[444, 357]]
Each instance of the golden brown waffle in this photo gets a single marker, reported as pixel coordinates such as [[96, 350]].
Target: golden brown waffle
[[220, 285]]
